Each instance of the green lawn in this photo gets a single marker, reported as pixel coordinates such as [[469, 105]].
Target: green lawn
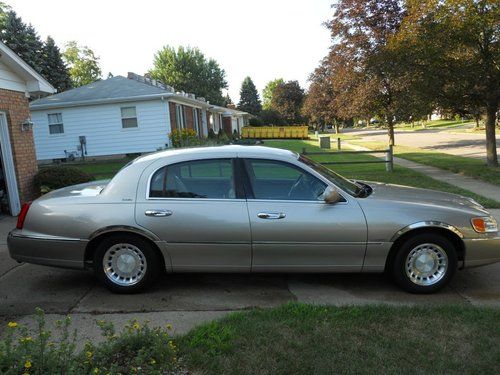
[[304, 339], [435, 124], [376, 172], [472, 167], [103, 169]]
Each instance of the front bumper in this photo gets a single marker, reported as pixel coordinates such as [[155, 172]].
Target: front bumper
[[47, 251], [482, 251]]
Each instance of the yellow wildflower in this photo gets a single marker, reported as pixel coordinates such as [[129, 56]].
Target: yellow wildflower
[[27, 364], [153, 361], [12, 324], [89, 355], [136, 325], [169, 326], [96, 371]]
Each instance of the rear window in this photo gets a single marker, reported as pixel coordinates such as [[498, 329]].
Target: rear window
[[194, 179]]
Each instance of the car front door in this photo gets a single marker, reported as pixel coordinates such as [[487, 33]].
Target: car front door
[[198, 208], [293, 229]]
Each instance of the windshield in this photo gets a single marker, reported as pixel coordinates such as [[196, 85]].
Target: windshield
[[337, 179]]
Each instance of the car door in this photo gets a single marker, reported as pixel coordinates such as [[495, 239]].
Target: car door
[[293, 229], [197, 207]]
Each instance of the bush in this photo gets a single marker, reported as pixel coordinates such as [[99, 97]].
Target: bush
[[222, 136], [184, 138], [138, 349], [51, 178], [211, 134]]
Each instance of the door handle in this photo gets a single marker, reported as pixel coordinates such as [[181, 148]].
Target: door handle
[[271, 215], [158, 213]]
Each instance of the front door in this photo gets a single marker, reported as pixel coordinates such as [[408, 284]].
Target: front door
[[197, 208], [293, 229]]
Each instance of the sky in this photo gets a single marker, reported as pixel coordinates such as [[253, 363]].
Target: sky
[[257, 38]]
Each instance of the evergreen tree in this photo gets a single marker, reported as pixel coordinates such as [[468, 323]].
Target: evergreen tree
[[54, 68], [227, 102], [249, 98]]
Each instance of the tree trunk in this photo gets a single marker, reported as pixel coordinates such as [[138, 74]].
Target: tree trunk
[[491, 142], [390, 129], [476, 117]]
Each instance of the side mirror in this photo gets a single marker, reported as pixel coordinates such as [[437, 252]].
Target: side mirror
[[330, 195]]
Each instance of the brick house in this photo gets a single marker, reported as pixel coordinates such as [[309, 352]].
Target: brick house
[[18, 82], [121, 115]]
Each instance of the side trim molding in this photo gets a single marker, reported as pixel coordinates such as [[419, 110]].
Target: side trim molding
[[427, 224]]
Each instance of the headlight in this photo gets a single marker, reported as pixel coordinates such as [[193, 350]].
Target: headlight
[[485, 224]]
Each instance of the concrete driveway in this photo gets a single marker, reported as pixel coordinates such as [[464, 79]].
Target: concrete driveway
[[188, 299], [462, 144]]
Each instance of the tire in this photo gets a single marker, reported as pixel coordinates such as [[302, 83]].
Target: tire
[[425, 263], [132, 263]]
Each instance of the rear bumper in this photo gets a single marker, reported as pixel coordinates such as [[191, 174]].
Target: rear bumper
[[482, 251], [47, 251]]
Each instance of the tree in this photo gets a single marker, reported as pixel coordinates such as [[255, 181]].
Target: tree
[[287, 101], [53, 67], [187, 69], [22, 39], [227, 102], [249, 98], [83, 64], [267, 93], [455, 49], [366, 69]]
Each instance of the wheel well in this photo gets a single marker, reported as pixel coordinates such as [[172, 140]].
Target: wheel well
[[457, 242], [94, 243]]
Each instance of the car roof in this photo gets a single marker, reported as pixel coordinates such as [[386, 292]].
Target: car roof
[[219, 152]]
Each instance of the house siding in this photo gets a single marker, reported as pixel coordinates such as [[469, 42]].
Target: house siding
[[102, 127]]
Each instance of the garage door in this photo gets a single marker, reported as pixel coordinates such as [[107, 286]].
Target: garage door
[[7, 164]]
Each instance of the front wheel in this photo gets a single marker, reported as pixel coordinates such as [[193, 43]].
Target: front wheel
[[425, 263], [126, 263]]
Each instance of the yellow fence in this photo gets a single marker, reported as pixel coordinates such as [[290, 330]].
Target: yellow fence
[[268, 132]]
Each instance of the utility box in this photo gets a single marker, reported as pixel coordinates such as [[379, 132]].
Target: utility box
[[324, 142]]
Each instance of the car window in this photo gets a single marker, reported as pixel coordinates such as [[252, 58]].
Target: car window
[[271, 179], [194, 179]]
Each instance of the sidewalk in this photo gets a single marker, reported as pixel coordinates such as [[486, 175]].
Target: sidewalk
[[468, 183]]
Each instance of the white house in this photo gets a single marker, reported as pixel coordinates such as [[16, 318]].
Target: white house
[[120, 116]]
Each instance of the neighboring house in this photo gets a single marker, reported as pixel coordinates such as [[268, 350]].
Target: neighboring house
[[120, 116], [18, 82]]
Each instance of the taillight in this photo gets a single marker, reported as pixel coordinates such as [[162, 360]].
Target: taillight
[[22, 215]]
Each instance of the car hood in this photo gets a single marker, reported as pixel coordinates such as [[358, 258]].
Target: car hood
[[89, 189], [407, 194]]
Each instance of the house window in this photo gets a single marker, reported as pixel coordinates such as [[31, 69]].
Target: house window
[[129, 117], [180, 117], [55, 123]]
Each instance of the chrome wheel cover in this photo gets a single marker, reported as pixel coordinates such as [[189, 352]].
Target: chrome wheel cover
[[426, 264], [124, 264]]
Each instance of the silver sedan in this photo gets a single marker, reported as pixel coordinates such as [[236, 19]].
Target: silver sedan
[[251, 209]]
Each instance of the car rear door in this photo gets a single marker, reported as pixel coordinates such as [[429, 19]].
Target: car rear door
[[198, 208], [293, 229]]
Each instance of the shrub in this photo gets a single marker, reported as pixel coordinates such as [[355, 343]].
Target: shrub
[[222, 136], [211, 134], [235, 135], [184, 138], [51, 178], [137, 349]]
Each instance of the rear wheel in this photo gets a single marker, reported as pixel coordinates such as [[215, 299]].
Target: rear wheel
[[126, 263], [425, 263]]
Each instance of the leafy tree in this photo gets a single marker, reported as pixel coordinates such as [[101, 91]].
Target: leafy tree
[[366, 69], [22, 39], [187, 69], [83, 64], [53, 67], [267, 93], [454, 47], [227, 102], [249, 98], [287, 101]]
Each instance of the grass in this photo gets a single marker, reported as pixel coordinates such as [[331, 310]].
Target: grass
[[376, 172], [303, 339], [102, 169], [471, 167], [435, 124]]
